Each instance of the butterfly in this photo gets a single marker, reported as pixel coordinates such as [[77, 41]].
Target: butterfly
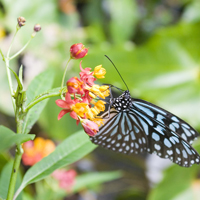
[[134, 125]]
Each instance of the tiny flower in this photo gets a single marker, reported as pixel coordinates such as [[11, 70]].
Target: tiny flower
[[37, 28], [78, 51], [66, 178], [98, 121], [67, 104], [80, 109], [74, 85], [99, 71], [90, 127], [35, 150], [100, 105], [100, 91], [87, 76], [21, 21]]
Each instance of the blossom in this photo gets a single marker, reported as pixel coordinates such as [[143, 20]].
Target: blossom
[[66, 178], [78, 51], [74, 85], [100, 91], [82, 94], [67, 104], [90, 127], [87, 76], [99, 71], [35, 150]]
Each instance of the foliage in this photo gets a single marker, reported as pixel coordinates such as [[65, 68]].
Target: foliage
[[156, 48]]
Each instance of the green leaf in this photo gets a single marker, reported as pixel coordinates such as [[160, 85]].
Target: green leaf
[[20, 86], [70, 150], [41, 83], [5, 179], [176, 180], [8, 138], [91, 179]]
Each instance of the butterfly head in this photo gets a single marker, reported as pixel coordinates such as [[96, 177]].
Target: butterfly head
[[123, 102]]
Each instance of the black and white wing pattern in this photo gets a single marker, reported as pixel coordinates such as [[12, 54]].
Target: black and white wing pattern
[[168, 119], [141, 126]]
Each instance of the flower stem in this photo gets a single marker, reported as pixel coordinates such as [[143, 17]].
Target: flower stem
[[63, 79], [21, 49], [17, 29], [44, 96], [17, 160], [10, 82]]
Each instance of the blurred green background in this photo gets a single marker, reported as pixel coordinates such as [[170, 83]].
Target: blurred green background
[[155, 46]]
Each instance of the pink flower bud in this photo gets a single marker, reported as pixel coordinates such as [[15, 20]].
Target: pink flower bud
[[78, 51], [90, 127]]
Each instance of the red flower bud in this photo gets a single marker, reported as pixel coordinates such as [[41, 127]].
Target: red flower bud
[[90, 127], [78, 51]]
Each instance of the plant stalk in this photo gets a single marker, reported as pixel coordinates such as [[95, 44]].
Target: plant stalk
[[63, 79], [17, 160]]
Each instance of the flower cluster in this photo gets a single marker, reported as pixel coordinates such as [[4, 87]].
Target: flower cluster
[[81, 99], [35, 150], [66, 178]]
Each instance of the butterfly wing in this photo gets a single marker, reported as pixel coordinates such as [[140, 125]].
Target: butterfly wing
[[121, 133], [168, 119], [165, 142], [139, 130]]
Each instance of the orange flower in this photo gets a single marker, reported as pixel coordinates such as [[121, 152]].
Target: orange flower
[[35, 150], [99, 71], [74, 85]]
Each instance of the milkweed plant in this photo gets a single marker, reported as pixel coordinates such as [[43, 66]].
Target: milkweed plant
[[79, 96]]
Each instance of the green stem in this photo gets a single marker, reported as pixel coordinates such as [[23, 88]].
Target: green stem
[[46, 96], [63, 79], [10, 82], [17, 29], [17, 160], [21, 49]]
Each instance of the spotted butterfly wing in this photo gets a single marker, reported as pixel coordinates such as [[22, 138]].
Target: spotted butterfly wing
[[134, 125]]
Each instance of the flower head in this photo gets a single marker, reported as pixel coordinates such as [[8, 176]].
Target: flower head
[[74, 85], [81, 99], [66, 178], [87, 76], [99, 71], [21, 21], [90, 127], [78, 51], [68, 105], [37, 28], [35, 150]]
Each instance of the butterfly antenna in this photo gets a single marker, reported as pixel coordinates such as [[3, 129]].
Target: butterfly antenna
[[117, 71]]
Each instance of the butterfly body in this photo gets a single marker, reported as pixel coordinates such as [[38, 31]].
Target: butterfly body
[[134, 125]]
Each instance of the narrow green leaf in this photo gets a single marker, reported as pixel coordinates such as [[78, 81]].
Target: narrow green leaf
[[70, 150], [5, 179], [20, 86], [41, 83], [8, 138], [91, 179], [21, 73]]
